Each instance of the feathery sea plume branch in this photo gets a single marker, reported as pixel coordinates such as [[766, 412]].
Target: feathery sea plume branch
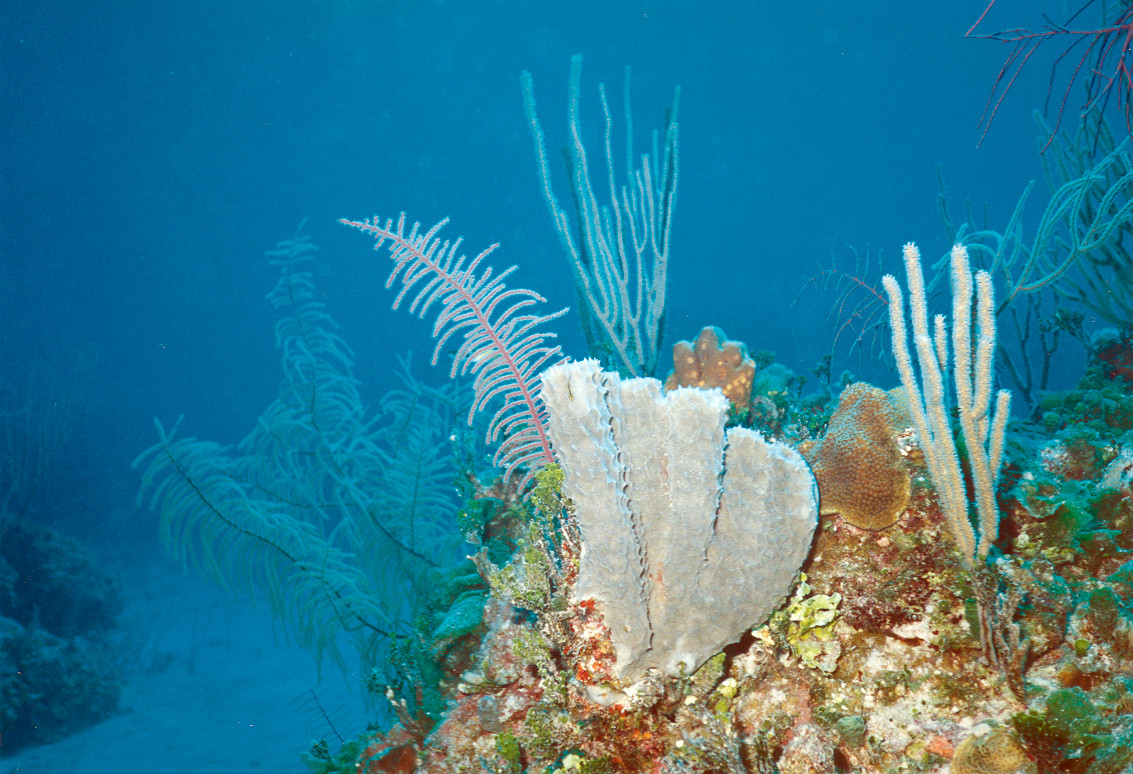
[[503, 347], [339, 515]]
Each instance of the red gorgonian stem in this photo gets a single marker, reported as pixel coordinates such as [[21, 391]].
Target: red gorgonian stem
[[1105, 64]]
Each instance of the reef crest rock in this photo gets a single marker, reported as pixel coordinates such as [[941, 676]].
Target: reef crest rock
[[689, 535]]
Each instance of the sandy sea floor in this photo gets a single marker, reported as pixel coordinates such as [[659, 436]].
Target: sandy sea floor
[[210, 688]]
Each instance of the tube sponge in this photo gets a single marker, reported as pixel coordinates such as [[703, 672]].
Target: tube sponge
[[689, 535]]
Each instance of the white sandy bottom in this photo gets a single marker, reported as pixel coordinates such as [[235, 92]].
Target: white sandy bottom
[[213, 689]]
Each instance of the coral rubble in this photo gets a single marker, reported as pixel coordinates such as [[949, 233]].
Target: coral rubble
[[60, 665]]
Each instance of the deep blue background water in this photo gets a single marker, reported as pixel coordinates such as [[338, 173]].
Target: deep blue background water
[[152, 151]]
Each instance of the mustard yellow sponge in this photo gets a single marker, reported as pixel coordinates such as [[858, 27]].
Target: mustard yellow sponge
[[858, 464], [995, 752]]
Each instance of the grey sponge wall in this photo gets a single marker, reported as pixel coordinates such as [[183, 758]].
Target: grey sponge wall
[[690, 535]]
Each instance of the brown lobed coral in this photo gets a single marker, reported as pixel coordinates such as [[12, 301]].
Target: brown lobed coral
[[713, 361]]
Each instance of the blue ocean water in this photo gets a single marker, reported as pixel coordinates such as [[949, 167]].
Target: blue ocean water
[[153, 150]]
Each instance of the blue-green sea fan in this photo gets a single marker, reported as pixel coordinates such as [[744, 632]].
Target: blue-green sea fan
[[337, 514]]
